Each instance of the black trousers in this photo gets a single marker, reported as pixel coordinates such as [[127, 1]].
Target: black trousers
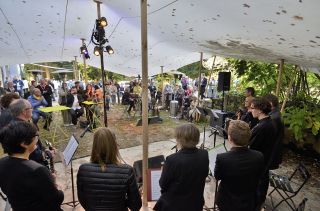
[[262, 190], [75, 114]]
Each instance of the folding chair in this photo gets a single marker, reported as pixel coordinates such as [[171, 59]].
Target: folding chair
[[288, 187]]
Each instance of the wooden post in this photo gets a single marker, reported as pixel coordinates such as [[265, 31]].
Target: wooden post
[[199, 80], [144, 53], [288, 90], [75, 69], [162, 88], [279, 77], [84, 65]]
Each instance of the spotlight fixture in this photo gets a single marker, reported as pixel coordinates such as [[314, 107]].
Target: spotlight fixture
[[102, 22], [97, 50], [84, 51], [109, 49]]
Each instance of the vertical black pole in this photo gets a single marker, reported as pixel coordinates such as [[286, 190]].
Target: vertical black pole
[[72, 186], [103, 87], [222, 103]]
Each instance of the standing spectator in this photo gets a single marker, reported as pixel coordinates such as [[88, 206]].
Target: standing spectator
[[105, 183], [27, 184], [113, 92], [10, 88], [46, 91], [263, 139], [118, 91], [2, 90], [184, 173], [51, 84], [62, 100], [184, 82], [203, 85], [167, 95], [73, 101], [18, 86], [239, 171], [25, 87]]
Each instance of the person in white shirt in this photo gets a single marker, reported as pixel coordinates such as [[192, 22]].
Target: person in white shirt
[[74, 101]]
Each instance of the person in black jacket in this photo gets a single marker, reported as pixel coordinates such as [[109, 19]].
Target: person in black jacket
[[263, 139], [239, 171], [46, 91], [27, 184], [184, 173], [74, 101], [277, 120], [105, 183]]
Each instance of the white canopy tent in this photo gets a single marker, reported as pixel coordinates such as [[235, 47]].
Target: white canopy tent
[[50, 30]]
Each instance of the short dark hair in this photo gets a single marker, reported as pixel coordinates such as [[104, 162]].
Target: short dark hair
[[251, 90], [262, 104], [272, 99], [16, 133], [6, 99]]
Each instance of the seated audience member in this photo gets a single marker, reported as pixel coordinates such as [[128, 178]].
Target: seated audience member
[[21, 110], [246, 115], [264, 140], [105, 183], [6, 99], [38, 101], [276, 118], [27, 184], [239, 171], [184, 173], [73, 101]]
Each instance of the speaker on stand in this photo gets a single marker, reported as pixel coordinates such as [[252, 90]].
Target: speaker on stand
[[223, 84]]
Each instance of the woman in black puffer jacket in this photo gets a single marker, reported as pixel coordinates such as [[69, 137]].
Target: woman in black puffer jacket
[[104, 183]]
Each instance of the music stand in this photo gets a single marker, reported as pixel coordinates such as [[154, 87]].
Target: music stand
[[204, 112], [67, 156], [217, 130]]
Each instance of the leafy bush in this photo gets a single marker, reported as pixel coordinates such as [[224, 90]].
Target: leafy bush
[[301, 120]]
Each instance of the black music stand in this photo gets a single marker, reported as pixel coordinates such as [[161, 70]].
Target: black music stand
[[217, 130], [204, 112], [68, 154]]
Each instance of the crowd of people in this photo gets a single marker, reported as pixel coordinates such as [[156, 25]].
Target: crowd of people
[[106, 183]]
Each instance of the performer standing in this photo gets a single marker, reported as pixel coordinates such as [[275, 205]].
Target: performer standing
[[183, 176], [239, 171], [263, 139]]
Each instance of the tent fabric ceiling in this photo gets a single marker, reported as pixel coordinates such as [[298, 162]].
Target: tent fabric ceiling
[[50, 30]]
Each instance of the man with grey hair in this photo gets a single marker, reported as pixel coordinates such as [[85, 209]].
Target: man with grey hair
[[21, 110]]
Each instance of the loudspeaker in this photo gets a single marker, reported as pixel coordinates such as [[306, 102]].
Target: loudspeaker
[[219, 117], [153, 163], [224, 81]]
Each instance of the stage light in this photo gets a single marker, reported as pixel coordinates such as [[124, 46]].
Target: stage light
[[102, 22], [97, 50], [109, 50], [84, 51]]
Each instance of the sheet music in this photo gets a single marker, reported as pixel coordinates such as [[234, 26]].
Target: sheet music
[[70, 150], [155, 187], [213, 155]]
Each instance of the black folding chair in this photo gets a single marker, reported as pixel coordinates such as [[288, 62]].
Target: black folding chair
[[289, 187]]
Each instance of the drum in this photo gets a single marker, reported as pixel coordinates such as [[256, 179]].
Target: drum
[[173, 108]]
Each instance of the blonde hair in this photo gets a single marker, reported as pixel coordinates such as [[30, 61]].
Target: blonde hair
[[239, 132], [187, 135], [105, 149]]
